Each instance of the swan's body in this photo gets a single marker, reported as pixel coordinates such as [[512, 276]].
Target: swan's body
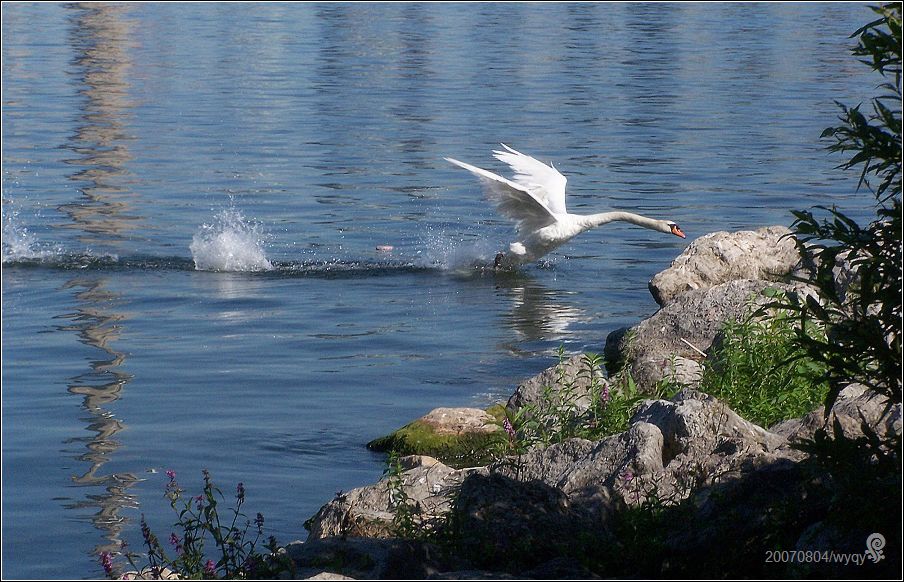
[[535, 200]]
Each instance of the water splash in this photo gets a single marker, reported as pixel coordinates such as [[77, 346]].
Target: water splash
[[19, 244], [230, 243], [454, 252]]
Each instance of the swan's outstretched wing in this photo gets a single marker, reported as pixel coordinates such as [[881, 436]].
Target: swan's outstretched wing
[[544, 182], [512, 200]]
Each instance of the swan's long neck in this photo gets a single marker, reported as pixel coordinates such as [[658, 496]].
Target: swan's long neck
[[592, 220]]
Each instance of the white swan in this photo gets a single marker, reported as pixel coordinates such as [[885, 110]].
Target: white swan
[[535, 200]]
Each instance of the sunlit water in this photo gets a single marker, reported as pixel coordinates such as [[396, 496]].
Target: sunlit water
[[194, 196]]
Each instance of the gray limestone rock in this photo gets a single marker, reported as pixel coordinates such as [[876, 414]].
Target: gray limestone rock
[[855, 404], [368, 511], [570, 379], [660, 346], [767, 253], [362, 558]]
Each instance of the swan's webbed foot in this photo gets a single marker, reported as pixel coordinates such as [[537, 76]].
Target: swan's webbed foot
[[505, 263], [498, 261]]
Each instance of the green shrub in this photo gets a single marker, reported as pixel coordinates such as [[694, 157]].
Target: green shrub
[[558, 415], [863, 343], [762, 373]]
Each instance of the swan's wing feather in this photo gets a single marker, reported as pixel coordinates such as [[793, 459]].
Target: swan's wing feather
[[545, 182], [511, 199]]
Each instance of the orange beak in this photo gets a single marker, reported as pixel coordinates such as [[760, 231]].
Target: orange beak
[[677, 231]]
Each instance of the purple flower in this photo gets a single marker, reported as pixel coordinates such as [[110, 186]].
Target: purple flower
[[199, 502], [175, 542], [106, 560], [210, 568], [507, 425], [240, 492], [259, 521], [173, 491], [627, 476]]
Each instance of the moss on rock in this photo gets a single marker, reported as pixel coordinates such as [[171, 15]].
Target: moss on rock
[[459, 437]]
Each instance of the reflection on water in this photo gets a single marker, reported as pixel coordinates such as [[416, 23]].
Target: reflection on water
[[97, 324], [536, 312], [99, 36], [100, 39]]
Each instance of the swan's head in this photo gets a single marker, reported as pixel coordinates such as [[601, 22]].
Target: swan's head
[[673, 228]]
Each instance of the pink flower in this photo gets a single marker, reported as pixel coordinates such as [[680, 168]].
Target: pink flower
[[106, 560], [210, 568]]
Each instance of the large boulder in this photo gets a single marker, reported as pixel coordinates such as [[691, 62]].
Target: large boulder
[[726, 529], [568, 382], [703, 443], [561, 394], [767, 253], [855, 405], [516, 525], [669, 343], [369, 511], [586, 470], [673, 444], [353, 558]]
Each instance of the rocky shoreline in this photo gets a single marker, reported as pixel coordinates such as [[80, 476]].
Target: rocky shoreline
[[690, 460]]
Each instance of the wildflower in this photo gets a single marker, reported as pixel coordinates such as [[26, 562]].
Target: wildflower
[[627, 476], [259, 521], [210, 568], [199, 502], [106, 560], [240, 492], [507, 425], [173, 491], [175, 542], [146, 533], [604, 396]]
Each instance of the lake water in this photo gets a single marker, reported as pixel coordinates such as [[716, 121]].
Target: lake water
[[194, 194]]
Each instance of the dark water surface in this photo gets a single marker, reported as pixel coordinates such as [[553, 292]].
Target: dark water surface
[[275, 146]]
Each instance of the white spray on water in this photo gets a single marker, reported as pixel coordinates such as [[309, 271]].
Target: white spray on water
[[18, 243], [230, 243], [454, 252]]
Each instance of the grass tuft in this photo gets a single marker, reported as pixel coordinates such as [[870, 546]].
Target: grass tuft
[[762, 373]]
